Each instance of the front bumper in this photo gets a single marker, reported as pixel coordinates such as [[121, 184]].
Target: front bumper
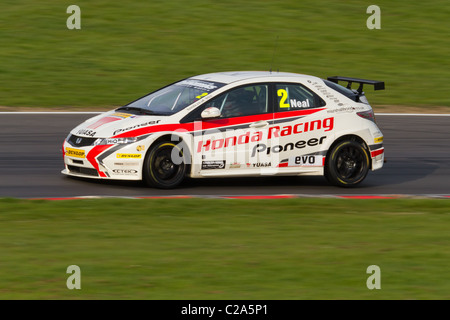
[[118, 162]]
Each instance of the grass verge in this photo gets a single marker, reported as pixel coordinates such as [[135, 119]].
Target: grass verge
[[224, 249]]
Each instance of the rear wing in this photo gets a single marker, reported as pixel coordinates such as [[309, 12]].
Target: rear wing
[[377, 85]]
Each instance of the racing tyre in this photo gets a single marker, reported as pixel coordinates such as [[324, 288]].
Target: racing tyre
[[347, 165], [164, 165]]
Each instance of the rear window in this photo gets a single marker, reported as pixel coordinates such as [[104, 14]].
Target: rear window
[[343, 90]]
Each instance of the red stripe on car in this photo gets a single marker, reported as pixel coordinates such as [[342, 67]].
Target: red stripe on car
[[217, 123], [92, 155], [377, 152], [287, 114], [103, 121]]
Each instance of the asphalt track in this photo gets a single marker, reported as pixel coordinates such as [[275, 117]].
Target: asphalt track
[[417, 150]]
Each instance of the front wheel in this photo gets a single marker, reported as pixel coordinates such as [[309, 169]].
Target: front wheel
[[164, 165], [347, 165]]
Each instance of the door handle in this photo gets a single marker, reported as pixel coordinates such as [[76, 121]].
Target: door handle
[[259, 124]]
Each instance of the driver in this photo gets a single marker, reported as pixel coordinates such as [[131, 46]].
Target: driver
[[236, 103]]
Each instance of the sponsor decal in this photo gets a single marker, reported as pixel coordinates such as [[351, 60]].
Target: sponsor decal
[[324, 90], [277, 131], [378, 140], [299, 104], [201, 95], [129, 156], [125, 171], [326, 124], [140, 148], [306, 161], [148, 123], [201, 85], [76, 153], [284, 96], [293, 103], [122, 115], [261, 147], [131, 164], [262, 164], [86, 132], [346, 109], [235, 165], [216, 164]]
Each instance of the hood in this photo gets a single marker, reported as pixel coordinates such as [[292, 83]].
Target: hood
[[113, 123]]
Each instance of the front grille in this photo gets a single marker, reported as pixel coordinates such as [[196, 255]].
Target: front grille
[[86, 171], [77, 141]]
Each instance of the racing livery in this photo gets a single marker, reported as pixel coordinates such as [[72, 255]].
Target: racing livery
[[233, 124]]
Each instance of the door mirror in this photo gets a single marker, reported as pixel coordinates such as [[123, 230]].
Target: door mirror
[[210, 113]]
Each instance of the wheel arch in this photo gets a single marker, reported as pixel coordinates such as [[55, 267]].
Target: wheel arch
[[350, 137], [168, 137]]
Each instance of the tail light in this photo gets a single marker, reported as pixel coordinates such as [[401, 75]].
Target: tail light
[[369, 115]]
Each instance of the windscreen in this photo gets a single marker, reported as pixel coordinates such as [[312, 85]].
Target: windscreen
[[175, 97]]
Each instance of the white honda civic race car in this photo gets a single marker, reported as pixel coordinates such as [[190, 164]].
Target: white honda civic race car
[[233, 124]]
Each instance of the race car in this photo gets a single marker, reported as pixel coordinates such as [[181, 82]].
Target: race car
[[225, 124]]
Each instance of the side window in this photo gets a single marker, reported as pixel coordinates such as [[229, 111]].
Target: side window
[[296, 97], [243, 101]]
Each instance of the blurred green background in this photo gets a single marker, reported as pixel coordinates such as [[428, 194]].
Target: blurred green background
[[127, 49]]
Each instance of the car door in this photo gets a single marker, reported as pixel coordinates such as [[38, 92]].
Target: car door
[[300, 128], [227, 143]]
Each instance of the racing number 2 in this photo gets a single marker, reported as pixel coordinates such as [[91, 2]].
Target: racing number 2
[[284, 95]]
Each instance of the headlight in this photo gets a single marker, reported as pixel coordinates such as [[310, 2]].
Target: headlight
[[104, 141]]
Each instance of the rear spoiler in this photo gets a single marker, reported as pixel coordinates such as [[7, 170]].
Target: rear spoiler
[[377, 85]]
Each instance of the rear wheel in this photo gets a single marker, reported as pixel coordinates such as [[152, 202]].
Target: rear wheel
[[164, 165], [347, 165]]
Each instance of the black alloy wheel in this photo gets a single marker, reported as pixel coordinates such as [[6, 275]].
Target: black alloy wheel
[[347, 164], [164, 165]]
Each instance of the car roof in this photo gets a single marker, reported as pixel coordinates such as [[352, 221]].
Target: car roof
[[232, 76]]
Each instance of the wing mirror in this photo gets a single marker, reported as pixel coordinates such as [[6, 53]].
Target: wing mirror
[[210, 113]]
